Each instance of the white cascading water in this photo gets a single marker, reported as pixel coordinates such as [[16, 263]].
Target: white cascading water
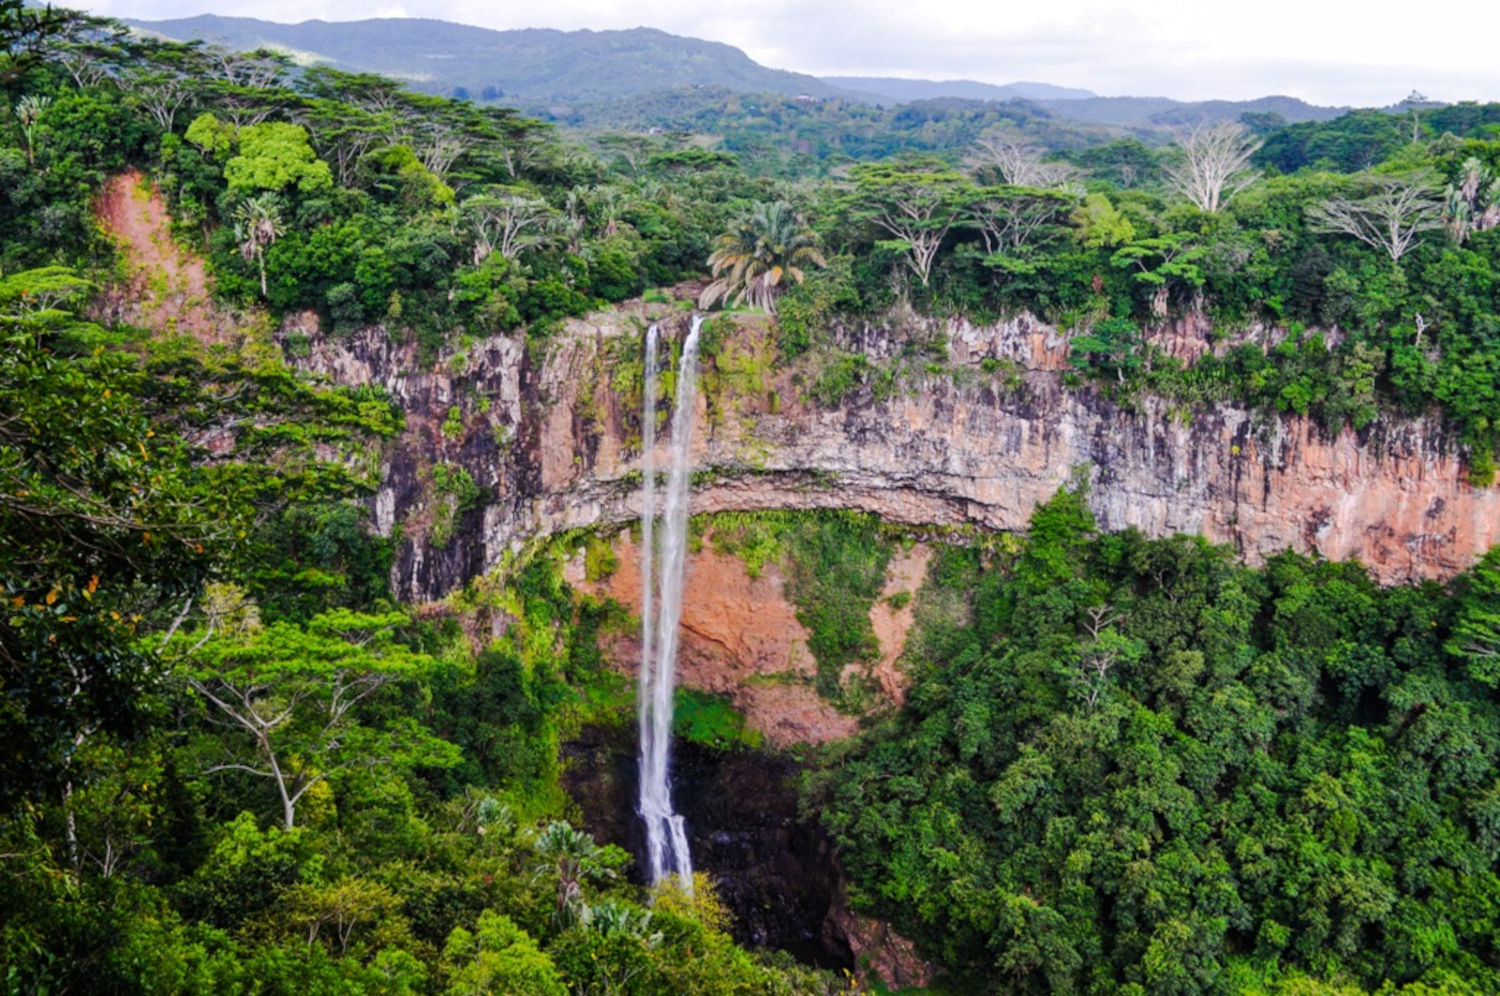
[[661, 609]]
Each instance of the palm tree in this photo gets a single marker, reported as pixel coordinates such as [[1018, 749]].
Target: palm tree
[[758, 256], [572, 856], [28, 112], [257, 223]]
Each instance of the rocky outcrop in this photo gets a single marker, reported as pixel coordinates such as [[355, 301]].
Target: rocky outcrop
[[974, 441], [741, 638], [876, 949]]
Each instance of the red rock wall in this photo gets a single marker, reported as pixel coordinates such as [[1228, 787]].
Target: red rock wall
[[556, 450]]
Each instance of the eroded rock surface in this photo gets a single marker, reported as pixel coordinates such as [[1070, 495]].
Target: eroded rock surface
[[554, 440], [741, 638]]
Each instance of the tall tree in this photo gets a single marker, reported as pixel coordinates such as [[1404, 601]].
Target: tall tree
[[507, 221], [1011, 218], [1472, 201], [103, 519], [29, 110], [758, 258], [917, 204], [1213, 164], [26, 34], [293, 694], [257, 225], [1018, 162], [1390, 219], [162, 77], [1162, 263]]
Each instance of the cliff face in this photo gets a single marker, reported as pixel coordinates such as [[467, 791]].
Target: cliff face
[[553, 441], [740, 637]]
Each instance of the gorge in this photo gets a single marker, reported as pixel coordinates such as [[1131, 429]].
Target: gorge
[[958, 449], [809, 549]]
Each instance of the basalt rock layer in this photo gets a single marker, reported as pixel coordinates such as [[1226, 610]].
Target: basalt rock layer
[[974, 435]]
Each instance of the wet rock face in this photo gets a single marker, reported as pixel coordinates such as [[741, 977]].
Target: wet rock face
[[740, 637], [775, 870], [555, 446]]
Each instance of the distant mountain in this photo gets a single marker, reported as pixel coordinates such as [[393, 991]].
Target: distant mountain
[[1163, 112], [583, 76], [903, 90], [531, 67]]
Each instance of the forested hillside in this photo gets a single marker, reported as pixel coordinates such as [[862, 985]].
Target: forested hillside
[[233, 761], [533, 68]]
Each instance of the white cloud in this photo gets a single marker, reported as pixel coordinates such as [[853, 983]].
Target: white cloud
[[1330, 53]]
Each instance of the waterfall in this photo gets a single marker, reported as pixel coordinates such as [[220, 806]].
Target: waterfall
[[661, 608]]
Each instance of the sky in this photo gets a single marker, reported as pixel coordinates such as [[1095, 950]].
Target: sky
[[1370, 54]]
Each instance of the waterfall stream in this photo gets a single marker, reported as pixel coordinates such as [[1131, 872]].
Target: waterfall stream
[[661, 607]]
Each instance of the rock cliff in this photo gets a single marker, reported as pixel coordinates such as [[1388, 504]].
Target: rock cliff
[[979, 430]]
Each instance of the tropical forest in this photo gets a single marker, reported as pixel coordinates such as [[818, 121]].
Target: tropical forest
[[729, 541]]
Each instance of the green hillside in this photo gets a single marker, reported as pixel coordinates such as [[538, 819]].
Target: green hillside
[[533, 66], [599, 78]]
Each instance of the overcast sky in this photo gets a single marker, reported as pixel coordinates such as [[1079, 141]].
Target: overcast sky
[[1371, 53]]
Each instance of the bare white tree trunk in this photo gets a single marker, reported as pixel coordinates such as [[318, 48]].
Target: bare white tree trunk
[[1214, 164]]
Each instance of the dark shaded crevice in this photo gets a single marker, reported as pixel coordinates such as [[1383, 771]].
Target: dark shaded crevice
[[774, 869]]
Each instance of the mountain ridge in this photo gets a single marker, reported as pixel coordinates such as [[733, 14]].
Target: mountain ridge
[[914, 88], [548, 68], [534, 64]]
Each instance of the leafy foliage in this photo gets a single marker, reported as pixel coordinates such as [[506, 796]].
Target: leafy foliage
[[1137, 764], [229, 765]]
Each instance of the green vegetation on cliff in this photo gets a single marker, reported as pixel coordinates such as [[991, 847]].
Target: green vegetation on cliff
[[231, 763], [1132, 765], [346, 195]]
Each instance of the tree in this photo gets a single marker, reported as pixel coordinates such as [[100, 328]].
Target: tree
[[1472, 203], [343, 133], [1010, 218], [1114, 345], [757, 257], [1476, 631], [571, 857], [1161, 261], [506, 221], [213, 137], [248, 86], [619, 941], [103, 520], [1098, 224], [1390, 219], [257, 224], [1018, 162], [498, 957], [1415, 102], [113, 515], [92, 49], [1090, 670], [915, 203], [26, 33], [275, 156], [29, 110], [161, 77], [294, 693], [337, 911], [1213, 164]]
